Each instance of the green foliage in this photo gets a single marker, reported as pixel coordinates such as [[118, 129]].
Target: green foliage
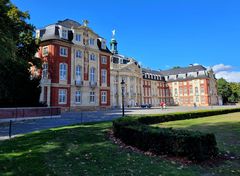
[[194, 145], [175, 67], [17, 50], [79, 150], [235, 88], [85, 150], [230, 92], [224, 89]]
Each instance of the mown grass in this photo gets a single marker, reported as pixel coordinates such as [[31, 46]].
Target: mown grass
[[227, 132], [85, 150]]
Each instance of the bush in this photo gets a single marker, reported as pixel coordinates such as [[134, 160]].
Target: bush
[[195, 146]]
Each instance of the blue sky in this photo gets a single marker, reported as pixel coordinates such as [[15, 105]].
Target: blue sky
[[158, 33]]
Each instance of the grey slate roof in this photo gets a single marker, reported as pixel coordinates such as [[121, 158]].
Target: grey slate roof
[[183, 70], [155, 72], [69, 23], [176, 71]]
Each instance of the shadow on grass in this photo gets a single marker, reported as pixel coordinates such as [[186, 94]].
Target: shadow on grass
[[78, 150]]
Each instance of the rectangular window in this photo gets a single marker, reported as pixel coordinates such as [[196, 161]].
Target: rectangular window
[[175, 91], [197, 99], [185, 91], [91, 41], [104, 97], [180, 91], [45, 51], [92, 97], [104, 76], [78, 37], [104, 59], [78, 54], [45, 70], [191, 90], [78, 73], [196, 90], [78, 96], [92, 57], [62, 96], [64, 34], [202, 89], [63, 71], [103, 45], [63, 51]]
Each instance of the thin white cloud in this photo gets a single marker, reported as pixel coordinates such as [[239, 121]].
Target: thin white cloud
[[230, 76], [221, 67], [226, 72]]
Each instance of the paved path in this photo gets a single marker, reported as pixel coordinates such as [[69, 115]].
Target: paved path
[[30, 125]]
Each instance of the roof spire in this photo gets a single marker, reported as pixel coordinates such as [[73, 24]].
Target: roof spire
[[113, 43]]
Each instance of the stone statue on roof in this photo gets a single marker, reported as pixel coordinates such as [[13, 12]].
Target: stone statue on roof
[[113, 33]]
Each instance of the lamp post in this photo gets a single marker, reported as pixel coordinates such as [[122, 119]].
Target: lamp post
[[122, 86]]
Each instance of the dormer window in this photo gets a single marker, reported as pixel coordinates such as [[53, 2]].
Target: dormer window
[[103, 44], [64, 34]]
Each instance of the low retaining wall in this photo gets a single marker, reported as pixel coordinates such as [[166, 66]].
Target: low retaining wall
[[29, 112]]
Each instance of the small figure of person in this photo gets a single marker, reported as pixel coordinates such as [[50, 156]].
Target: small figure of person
[[162, 105], [194, 105]]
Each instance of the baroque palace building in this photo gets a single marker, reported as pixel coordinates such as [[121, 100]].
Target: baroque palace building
[[76, 66], [80, 72]]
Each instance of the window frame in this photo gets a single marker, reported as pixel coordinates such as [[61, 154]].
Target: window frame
[[64, 33], [92, 57], [78, 54], [78, 97], [103, 60], [45, 51], [104, 76], [45, 70], [92, 97], [78, 72], [62, 96], [65, 53], [92, 74], [103, 97], [63, 70], [78, 37]]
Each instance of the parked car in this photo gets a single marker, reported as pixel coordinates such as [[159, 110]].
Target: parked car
[[146, 105]]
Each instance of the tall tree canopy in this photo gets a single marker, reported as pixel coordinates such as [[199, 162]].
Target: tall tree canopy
[[230, 92], [17, 50]]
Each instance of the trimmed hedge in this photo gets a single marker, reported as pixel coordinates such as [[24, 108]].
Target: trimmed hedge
[[194, 145]]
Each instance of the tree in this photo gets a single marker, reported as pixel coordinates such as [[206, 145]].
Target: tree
[[235, 87], [175, 67], [17, 50], [224, 89]]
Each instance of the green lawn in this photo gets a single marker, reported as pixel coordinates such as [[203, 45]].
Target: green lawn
[[85, 150], [227, 132]]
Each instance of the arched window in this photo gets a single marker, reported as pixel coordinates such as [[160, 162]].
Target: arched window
[[92, 74]]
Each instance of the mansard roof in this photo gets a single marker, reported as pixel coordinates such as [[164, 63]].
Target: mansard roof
[[147, 70], [183, 70], [69, 23]]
